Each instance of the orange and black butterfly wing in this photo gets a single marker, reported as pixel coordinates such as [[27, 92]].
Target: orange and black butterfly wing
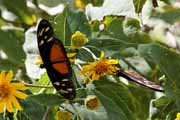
[[139, 80], [55, 60]]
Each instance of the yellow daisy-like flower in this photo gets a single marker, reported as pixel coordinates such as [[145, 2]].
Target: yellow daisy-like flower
[[99, 68], [79, 4], [63, 115], [92, 102], [30, 20], [9, 92], [78, 40], [178, 116]]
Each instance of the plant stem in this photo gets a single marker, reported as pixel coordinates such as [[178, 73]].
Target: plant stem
[[45, 117], [76, 111], [39, 86]]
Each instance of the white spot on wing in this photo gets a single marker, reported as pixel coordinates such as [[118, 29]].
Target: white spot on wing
[[65, 80], [50, 39], [69, 89], [63, 91], [41, 43], [47, 29], [45, 37], [40, 33], [56, 83]]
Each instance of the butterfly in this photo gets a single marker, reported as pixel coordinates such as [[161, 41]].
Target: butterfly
[[139, 80], [55, 60]]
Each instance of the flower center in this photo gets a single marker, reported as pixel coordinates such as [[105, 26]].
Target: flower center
[[4, 91], [92, 103], [101, 67]]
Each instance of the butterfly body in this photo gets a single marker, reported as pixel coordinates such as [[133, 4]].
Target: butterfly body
[[55, 60]]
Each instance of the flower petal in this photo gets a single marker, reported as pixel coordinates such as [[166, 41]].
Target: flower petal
[[113, 69], [19, 94], [16, 103], [19, 86], [2, 105], [9, 76], [88, 68], [112, 61], [9, 105], [95, 76], [2, 75], [69, 55], [102, 55], [178, 115]]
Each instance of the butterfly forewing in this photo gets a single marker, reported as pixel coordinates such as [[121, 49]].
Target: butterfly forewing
[[63, 66], [55, 60], [139, 80]]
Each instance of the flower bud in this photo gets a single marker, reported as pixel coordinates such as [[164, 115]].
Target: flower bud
[[63, 115], [78, 40], [92, 102]]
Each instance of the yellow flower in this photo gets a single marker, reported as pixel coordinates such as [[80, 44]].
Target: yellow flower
[[9, 92], [78, 40], [178, 116], [63, 115], [99, 68], [79, 4], [30, 20], [108, 19], [92, 102]]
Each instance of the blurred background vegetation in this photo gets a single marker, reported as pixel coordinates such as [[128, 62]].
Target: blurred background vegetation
[[144, 35]]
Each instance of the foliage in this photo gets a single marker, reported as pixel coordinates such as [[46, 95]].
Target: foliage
[[145, 41]]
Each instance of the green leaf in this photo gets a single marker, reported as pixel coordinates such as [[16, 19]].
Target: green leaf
[[84, 55], [62, 27], [168, 61], [46, 99], [139, 64], [76, 117], [129, 52], [161, 102], [165, 109], [1, 116], [68, 23], [120, 34], [141, 97], [78, 22], [81, 93], [20, 9], [138, 4], [115, 29], [110, 44], [131, 26], [94, 2], [2, 22], [33, 110], [43, 81], [115, 98], [169, 14], [12, 46], [7, 65], [53, 3], [169, 1], [90, 114]]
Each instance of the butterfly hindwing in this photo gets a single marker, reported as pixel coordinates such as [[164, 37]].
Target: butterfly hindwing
[[55, 60], [62, 83], [139, 80]]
